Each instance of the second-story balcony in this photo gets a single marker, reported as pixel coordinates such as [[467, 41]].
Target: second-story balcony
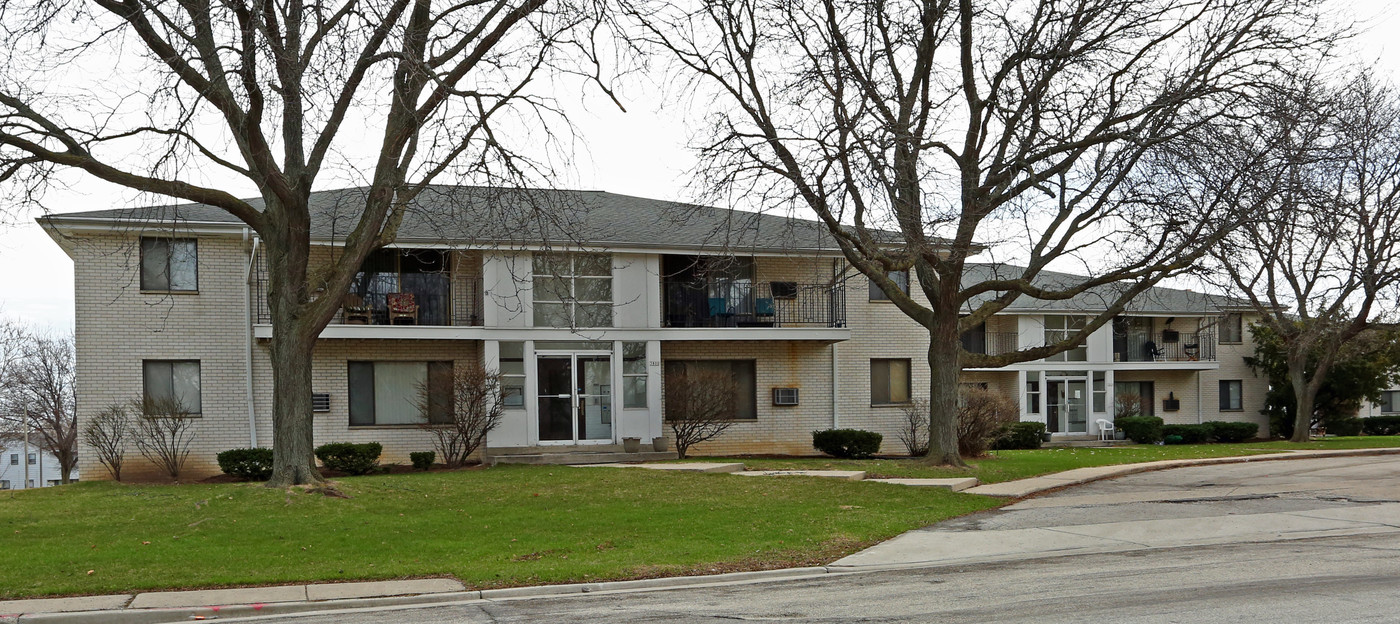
[[989, 343], [1166, 346], [744, 303]]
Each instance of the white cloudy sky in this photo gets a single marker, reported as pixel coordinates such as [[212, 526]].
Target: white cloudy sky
[[640, 152]]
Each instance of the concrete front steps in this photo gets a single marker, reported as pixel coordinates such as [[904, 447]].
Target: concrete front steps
[[582, 454]]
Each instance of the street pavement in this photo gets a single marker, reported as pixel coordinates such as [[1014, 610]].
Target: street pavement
[[1283, 541]]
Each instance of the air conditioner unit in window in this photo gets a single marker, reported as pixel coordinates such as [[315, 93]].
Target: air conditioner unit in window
[[784, 396], [320, 402]]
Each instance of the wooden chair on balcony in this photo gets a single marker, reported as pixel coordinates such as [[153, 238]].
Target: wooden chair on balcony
[[402, 307], [356, 312]]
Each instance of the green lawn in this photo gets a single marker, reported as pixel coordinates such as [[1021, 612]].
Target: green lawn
[[1012, 465], [508, 525]]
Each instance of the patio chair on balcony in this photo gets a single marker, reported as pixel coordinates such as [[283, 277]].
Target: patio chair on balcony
[[1154, 351], [356, 312], [402, 307]]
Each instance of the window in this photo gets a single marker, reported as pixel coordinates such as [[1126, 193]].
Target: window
[[388, 393], [1100, 392], [169, 264], [745, 404], [53, 482], [1231, 329], [889, 382], [975, 340], [573, 290], [1033, 393], [33, 459], [14, 459], [172, 380], [1129, 395], [1231, 395], [1390, 402], [634, 374], [513, 375], [900, 278], [1058, 328], [4, 485]]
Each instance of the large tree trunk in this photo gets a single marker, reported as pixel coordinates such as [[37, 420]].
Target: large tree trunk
[[943, 352], [1303, 397], [293, 340]]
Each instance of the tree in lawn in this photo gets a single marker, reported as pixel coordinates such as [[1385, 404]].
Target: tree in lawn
[[459, 407], [37, 393], [957, 125], [1365, 367], [190, 101], [700, 405], [1317, 165]]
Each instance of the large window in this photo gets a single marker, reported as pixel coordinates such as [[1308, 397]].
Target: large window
[[889, 382], [1231, 395], [513, 375], [169, 264], [1231, 329], [1390, 402], [634, 374], [900, 278], [389, 393], [1058, 328], [1128, 395], [745, 403], [573, 290], [177, 381]]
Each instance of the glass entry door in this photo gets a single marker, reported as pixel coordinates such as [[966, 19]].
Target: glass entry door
[[1066, 408], [575, 398]]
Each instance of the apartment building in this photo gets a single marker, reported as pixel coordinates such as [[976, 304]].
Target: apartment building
[[585, 314]]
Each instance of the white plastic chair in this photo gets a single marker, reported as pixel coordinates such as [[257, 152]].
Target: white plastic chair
[[1105, 430]]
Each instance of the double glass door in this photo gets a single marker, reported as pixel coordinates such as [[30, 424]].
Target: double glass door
[[1066, 407], [575, 398]]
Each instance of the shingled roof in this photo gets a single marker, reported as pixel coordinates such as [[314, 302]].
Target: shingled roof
[[1156, 300], [487, 216]]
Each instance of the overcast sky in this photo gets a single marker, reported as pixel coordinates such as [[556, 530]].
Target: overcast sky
[[640, 152]]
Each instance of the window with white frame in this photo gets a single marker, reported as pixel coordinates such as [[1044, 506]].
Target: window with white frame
[[1390, 402], [391, 393], [513, 375], [172, 382], [634, 374], [1033, 392], [33, 459], [169, 264], [1058, 328], [1100, 391], [573, 290]]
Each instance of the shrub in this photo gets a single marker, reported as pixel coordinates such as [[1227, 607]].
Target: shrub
[[1222, 431], [422, 460], [164, 434], [459, 423], [249, 464], [914, 433], [1381, 425], [1141, 429], [1189, 434], [107, 433], [1344, 426], [1020, 435], [700, 405], [354, 459], [847, 443], [980, 414]]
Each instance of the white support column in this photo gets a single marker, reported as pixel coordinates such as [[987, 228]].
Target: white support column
[[532, 393], [654, 399]]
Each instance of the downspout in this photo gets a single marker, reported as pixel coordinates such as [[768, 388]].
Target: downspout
[[1200, 404], [835, 424], [248, 355]]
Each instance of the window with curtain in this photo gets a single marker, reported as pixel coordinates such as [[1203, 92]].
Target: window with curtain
[[900, 278], [172, 380], [1232, 329], [745, 404], [634, 374], [572, 290], [1231, 395], [1141, 389], [169, 264], [889, 381], [389, 393]]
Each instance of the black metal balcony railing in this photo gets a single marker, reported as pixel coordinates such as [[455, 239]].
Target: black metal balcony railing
[[746, 304], [990, 343], [451, 301], [1168, 346]]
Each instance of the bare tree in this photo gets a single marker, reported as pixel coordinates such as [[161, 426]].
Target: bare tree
[[37, 394], [107, 433], [460, 419], [922, 133], [980, 413], [197, 99], [1317, 166], [700, 406], [163, 433], [914, 433], [1126, 405]]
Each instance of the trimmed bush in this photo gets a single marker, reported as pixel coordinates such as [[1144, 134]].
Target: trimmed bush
[[1231, 432], [1189, 434], [1141, 429], [1381, 425], [1344, 426], [422, 460], [1018, 436], [354, 459], [847, 443], [249, 464]]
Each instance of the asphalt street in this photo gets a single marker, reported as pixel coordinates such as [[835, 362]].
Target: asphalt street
[[1290, 569]]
